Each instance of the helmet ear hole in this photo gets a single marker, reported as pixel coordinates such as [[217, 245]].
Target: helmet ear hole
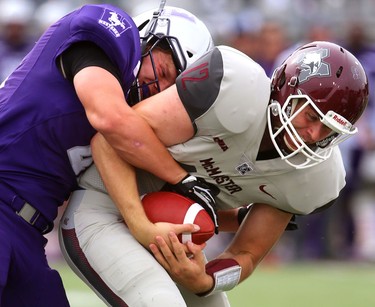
[[279, 78], [282, 80], [339, 72]]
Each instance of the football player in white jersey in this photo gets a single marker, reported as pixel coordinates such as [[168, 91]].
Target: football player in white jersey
[[268, 143]]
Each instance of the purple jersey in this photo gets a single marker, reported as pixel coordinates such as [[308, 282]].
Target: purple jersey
[[45, 134]]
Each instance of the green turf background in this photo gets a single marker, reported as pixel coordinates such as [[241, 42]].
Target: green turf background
[[317, 284]]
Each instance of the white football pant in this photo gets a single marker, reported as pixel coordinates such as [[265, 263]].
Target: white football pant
[[102, 252]]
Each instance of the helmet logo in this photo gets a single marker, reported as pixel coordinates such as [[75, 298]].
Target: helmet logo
[[114, 22], [312, 64]]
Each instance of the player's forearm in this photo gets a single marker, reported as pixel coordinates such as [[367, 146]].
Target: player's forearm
[[138, 145], [254, 240], [120, 181], [125, 130], [228, 220]]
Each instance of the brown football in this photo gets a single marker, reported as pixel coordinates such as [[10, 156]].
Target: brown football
[[177, 209]]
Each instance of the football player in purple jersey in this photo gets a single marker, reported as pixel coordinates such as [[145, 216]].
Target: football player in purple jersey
[[80, 78]]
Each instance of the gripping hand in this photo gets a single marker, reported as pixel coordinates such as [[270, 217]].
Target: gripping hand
[[200, 191]]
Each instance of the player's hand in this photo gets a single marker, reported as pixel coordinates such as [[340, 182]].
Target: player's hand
[[200, 191], [147, 234], [185, 263]]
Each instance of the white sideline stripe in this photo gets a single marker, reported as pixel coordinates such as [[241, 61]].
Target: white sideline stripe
[[189, 219]]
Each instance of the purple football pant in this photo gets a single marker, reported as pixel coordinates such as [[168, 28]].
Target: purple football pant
[[25, 276]]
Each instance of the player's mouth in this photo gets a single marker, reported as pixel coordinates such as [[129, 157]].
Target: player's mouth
[[290, 144]]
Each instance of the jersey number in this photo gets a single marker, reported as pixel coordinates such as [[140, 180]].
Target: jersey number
[[80, 158], [203, 74]]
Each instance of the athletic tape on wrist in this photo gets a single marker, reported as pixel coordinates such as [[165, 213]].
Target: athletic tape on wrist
[[226, 274]]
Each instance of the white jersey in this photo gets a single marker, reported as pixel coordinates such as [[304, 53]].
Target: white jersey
[[230, 120]]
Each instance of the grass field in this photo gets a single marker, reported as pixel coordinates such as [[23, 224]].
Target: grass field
[[318, 284]]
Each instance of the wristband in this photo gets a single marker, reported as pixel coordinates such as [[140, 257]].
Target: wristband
[[226, 274]]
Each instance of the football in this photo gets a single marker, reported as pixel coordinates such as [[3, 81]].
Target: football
[[174, 208]]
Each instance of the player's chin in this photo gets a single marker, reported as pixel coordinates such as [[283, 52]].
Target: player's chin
[[289, 143]]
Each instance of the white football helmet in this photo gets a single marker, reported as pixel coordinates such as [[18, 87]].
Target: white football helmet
[[175, 29]]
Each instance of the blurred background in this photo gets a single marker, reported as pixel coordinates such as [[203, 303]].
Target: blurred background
[[267, 31]]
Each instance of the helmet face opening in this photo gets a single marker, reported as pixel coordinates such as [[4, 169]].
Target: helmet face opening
[[142, 91], [159, 34], [166, 44], [174, 30], [289, 143], [332, 82]]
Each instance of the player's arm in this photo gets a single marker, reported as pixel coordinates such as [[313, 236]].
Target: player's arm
[[231, 219], [259, 232], [228, 220], [124, 193], [167, 116], [98, 88], [126, 129]]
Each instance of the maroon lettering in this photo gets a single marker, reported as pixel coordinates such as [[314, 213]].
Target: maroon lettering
[[234, 188], [207, 163], [221, 143], [339, 120], [201, 69], [222, 180]]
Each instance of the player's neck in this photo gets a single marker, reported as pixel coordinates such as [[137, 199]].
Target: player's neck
[[266, 149], [266, 143]]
